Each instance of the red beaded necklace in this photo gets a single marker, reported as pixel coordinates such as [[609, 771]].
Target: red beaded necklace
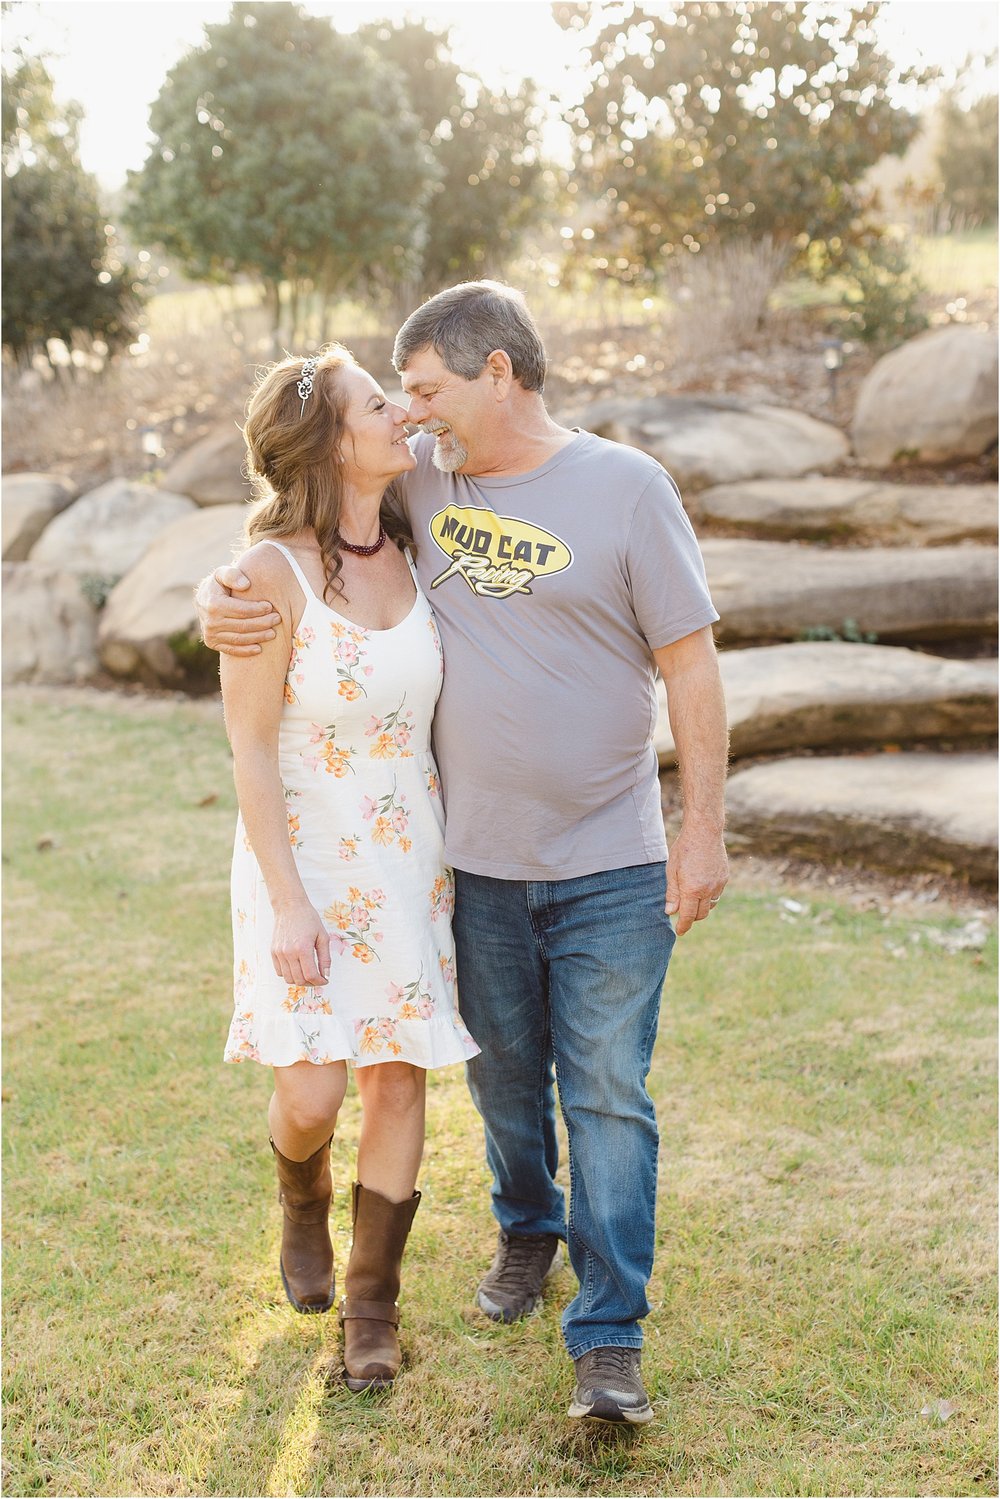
[[368, 551]]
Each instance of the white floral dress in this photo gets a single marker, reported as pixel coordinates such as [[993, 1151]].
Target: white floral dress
[[365, 822]]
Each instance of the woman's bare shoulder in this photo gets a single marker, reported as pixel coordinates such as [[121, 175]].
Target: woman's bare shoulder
[[266, 567]]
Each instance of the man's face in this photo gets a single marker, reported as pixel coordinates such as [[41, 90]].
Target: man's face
[[452, 409]]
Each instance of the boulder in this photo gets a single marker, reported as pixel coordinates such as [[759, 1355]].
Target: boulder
[[149, 627], [103, 533], [831, 694], [932, 399], [28, 503], [777, 590], [49, 625], [863, 510], [718, 440], [892, 812], [211, 471]]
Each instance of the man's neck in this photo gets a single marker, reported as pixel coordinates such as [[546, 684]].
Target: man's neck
[[532, 441]]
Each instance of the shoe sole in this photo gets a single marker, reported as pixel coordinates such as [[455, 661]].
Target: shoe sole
[[609, 1412], [376, 1386], [301, 1306]]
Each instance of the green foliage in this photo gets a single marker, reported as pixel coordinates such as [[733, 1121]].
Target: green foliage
[[486, 146], [709, 120], [848, 631], [61, 275], [284, 151], [96, 587], [883, 292], [968, 161]]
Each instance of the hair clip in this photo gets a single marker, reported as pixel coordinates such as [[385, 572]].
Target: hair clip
[[305, 385]]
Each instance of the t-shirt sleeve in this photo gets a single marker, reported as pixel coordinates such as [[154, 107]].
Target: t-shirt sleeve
[[664, 567]]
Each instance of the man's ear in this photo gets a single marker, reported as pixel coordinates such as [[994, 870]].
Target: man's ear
[[501, 373]]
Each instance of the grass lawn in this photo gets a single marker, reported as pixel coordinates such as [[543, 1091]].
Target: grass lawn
[[825, 1272]]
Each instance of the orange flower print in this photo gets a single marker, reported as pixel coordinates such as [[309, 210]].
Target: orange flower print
[[349, 657], [242, 1045], [391, 734], [349, 847], [301, 999], [414, 1000], [355, 922], [335, 758], [293, 829], [443, 895], [310, 1050], [301, 640], [391, 818]]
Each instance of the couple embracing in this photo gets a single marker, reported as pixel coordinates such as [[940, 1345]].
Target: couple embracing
[[512, 585]]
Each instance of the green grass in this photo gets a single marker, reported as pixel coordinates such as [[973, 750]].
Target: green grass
[[825, 1264]]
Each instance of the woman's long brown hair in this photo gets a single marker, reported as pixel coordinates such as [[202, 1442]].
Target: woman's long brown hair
[[291, 458]]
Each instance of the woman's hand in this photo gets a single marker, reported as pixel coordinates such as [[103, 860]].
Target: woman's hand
[[300, 945]]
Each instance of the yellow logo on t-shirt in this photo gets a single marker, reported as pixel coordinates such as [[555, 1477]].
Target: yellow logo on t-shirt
[[497, 555]]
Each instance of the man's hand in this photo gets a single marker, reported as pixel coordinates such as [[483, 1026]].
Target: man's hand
[[236, 627], [697, 874]]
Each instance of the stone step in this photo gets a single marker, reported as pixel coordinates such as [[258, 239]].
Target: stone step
[[846, 510], [778, 590], [895, 813], [704, 440], [828, 694]]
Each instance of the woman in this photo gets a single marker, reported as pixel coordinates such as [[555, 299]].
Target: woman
[[341, 899]]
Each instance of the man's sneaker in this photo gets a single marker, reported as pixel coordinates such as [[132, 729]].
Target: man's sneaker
[[512, 1286], [609, 1386]]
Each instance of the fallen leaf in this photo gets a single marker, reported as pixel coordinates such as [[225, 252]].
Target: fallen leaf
[[45, 842], [207, 801], [938, 1410]]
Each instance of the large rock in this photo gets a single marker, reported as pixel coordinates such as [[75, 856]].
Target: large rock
[[211, 471], [149, 627], [719, 440], [103, 533], [831, 694], [49, 626], [774, 590], [932, 399], [816, 509], [29, 502], [891, 812]]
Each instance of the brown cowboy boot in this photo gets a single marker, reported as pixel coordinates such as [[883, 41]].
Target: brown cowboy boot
[[306, 1263], [368, 1313]]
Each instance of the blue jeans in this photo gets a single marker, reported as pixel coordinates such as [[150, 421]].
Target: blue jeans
[[569, 972]]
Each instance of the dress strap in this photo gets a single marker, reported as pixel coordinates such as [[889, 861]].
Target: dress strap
[[304, 583]]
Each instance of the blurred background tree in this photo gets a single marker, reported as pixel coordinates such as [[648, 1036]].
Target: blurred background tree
[[61, 275], [714, 120], [968, 160], [487, 148], [286, 152]]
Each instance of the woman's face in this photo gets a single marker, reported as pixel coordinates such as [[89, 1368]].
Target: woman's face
[[374, 446]]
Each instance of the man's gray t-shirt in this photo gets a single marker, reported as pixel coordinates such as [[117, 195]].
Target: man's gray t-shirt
[[550, 590]]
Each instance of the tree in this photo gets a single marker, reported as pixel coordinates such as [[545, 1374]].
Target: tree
[[967, 160], [709, 120], [486, 146], [286, 152], [61, 276]]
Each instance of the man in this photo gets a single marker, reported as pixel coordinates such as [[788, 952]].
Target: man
[[561, 567]]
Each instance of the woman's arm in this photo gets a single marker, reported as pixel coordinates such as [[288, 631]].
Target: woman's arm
[[252, 697]]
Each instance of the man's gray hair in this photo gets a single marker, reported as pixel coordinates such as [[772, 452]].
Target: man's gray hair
[[466, 323]]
